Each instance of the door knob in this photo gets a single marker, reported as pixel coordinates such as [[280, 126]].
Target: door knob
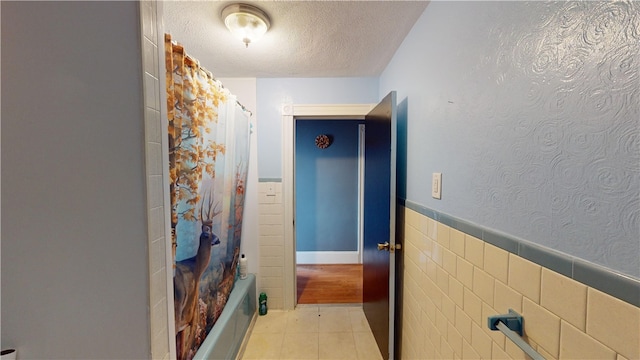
[[387, 247]]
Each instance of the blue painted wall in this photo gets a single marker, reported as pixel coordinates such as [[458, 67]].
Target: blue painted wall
[[327, 186], [531, 111], [272, 93]]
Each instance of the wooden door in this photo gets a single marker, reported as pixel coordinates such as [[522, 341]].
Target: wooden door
[[379, 223]]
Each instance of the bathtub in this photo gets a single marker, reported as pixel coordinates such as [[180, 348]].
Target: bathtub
[[228, 334]]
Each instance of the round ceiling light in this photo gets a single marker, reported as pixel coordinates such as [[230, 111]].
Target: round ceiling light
[[246, 22]]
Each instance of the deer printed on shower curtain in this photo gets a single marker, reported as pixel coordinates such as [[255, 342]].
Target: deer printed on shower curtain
[[208, 162], [187, 278]]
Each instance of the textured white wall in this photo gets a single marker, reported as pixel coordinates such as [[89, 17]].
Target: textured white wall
[[531, 111], [74, 236]]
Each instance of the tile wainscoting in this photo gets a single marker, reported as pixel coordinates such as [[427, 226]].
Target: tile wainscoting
[[452, 281]]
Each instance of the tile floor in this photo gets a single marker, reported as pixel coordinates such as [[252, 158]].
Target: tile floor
[[313, 332]]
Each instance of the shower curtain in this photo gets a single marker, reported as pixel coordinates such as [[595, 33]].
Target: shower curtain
[[208, 155]]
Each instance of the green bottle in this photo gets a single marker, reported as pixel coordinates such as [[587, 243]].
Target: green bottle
[[262, 300]]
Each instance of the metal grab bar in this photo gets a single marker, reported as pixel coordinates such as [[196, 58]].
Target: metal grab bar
[[511, 326]]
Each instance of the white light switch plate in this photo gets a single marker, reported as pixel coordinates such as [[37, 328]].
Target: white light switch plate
[[436, 186]]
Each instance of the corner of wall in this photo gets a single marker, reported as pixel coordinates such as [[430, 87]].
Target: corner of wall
[[160, 303]]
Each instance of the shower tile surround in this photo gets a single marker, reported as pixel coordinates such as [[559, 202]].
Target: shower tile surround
[[161, 342]]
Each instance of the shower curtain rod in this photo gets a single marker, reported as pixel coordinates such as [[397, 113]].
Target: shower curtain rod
[[209, 74]]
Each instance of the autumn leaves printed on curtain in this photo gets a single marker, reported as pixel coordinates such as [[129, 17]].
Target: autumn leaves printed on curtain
[[208, 155]]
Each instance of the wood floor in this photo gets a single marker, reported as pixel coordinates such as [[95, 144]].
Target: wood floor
[[329, 284]]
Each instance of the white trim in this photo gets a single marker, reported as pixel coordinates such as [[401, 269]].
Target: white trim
[[361, 147], [356, 111], [327, 257], [392, 226], [289, 113], [288, 205]]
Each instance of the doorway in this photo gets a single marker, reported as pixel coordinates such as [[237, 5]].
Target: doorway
[[291, 114], [380, 153], [329, 177]]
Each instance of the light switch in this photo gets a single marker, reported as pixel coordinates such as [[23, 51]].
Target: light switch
[[436, 186]]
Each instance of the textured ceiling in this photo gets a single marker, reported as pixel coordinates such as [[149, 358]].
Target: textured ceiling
[[306, 39]]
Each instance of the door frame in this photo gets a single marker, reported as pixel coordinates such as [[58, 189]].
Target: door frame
[[291, 113]]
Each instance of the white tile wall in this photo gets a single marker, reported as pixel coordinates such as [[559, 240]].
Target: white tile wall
[[271, 242], [564, 319], [157, 237]]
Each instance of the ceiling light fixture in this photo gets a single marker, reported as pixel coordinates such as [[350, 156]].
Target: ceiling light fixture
[[246, 22]]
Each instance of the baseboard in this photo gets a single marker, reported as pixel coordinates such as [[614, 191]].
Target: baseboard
[[327, 257]]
